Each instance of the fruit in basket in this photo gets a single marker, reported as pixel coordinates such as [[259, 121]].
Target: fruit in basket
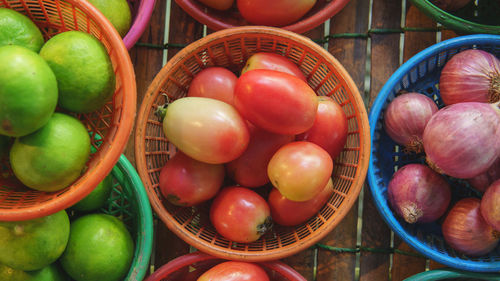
[[186, 182], [99, 248], [290, 213], [33, 244], [463, 140], [272, 61], [54, 156], [240, 214], [466, 231], [214, 82], [117, 12], [470, 76], [274, 13], [250, 169], [221, 5], [490, 203], [482, 181], [418, 194], [235, 271], [83, 70], [405, 119], [450, 5], [18, 29], [300, 170], [275, 101], [51, 272], [28, 91], [330, 127], [206, 129], [97, 198]]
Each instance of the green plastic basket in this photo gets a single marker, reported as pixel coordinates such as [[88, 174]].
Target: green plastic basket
[[452, 274], [479, 16], [129, 202]]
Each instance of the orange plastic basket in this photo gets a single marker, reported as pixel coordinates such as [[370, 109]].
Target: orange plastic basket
[[217, 20], [109, 127], [230, 48]]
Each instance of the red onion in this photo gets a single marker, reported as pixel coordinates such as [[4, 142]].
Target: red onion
[[405, 119], [418, 194], [450, 5], [465, 230], [463, 140], [482, 181], [490, 205], [471, 75]]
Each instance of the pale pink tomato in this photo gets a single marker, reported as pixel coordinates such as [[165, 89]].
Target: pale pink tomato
[[273, 61], [214, 82]]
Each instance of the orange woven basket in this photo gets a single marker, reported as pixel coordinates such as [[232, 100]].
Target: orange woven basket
[[109, 127], [217, 20], [230, 48]]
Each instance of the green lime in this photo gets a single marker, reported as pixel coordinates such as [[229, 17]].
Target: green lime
[[83, 70], [34, 244], [18, 29], [117, 12], [28, 91], [99, 248], [97, 198], [51, 272], [53, 157]]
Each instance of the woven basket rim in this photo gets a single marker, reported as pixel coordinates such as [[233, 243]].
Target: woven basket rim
[[139, 23], [251, 255]]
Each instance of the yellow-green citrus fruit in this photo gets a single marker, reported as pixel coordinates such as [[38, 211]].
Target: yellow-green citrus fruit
[[18, 29]]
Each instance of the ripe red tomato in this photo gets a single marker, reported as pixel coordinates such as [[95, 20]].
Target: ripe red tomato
[[187, 182], [250, 169], [274, 12], [205, 129], [273, 61], [275, 101], [235, 271], [300, 170], [240, 214], [330, 127], [218, 4], [213, 82], [289, 213]]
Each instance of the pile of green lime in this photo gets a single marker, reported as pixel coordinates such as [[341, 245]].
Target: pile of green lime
[[42, 85], [91, 246]]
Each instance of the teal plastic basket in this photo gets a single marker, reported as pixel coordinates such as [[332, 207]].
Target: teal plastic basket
[[452, 274]]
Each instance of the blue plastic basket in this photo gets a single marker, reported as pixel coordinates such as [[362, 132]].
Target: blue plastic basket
[[421, 74]]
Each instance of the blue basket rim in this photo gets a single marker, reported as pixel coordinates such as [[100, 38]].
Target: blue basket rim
[[375, 111]]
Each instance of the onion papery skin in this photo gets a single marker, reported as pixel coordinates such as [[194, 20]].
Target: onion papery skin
[[450, 5], [463, 140], [405, 119], [482, 181], [490, 205], [466, 231], [418, 194], [470, 76]]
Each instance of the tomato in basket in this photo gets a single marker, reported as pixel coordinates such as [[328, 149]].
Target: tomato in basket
[[235, 271]]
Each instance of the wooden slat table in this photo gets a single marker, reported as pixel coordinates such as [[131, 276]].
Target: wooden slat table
[[371, 39]]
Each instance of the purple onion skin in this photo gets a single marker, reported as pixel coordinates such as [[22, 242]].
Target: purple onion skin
[[418, 194], [405, 119], [482, 181], [470, 76], [490, 205], [450, 5], [466, 231], [463, 140]]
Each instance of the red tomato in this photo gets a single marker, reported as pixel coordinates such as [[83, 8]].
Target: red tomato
[[274, 12], [250, 169], [240, 214], [213, 82], [330, 127], [205, 129], [218, 4], [273, 61], [235, 271], [187, 182], [275, 101], [300, 170], [289, 213]]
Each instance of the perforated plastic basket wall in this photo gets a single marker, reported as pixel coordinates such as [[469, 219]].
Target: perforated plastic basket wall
[[421, 74]]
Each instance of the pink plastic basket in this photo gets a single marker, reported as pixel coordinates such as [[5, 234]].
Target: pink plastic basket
[[141, 12]]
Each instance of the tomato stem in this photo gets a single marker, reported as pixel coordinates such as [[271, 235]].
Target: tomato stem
[[265, 226]]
